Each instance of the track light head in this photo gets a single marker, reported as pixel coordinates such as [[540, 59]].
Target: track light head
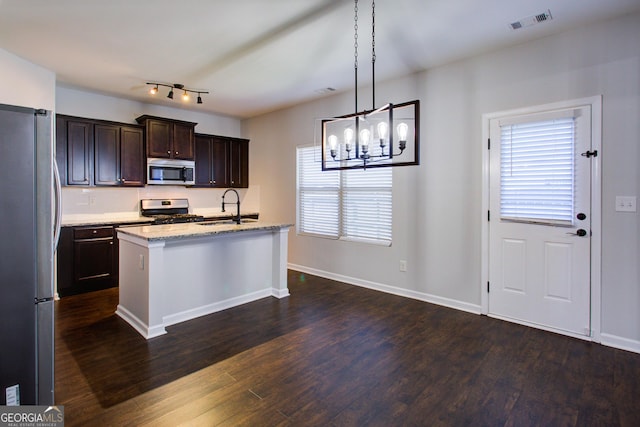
[[199, 98], [170, 95]]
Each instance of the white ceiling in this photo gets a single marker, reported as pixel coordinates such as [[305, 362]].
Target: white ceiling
[[255, 56]]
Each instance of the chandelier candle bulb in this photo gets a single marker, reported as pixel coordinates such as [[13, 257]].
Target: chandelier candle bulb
[[348, 138], [403, 130], [333, 143], [382, 133], [365, 135]]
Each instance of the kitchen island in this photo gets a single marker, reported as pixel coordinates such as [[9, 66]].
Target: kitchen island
[[177, 272]]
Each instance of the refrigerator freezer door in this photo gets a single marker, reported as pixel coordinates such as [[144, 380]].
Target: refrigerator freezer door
[[45, 353]]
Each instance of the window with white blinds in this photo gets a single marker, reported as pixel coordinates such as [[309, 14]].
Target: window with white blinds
[[537, 171], [348, 204]]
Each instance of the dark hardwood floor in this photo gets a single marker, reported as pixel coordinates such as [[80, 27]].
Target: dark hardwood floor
[[334, 354]]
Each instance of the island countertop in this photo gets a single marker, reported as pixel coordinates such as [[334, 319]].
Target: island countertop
[[195, 229]]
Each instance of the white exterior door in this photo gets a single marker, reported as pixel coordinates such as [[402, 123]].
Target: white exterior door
[[540, 219]]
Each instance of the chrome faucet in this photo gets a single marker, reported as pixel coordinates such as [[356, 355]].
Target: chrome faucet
[[237, 217]]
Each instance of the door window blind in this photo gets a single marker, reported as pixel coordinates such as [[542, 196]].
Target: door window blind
[[537, 171], [347, 204]]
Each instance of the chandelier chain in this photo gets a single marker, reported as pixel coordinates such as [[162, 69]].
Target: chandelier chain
[[373, 54], [355, 48], [373, 31], [355, 34]]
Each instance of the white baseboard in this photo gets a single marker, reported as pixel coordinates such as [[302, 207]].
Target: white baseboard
[[137, 324], [183, 316], [620, 342], [280, 293], [420, 296]]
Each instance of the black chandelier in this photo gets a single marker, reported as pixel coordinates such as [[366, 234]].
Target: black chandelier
[[179, 87], [380, 137]]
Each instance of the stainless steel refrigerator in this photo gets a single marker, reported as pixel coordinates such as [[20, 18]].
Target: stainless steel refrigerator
[[29, 222]]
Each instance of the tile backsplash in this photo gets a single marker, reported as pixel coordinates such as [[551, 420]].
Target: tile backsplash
[[126, 201]]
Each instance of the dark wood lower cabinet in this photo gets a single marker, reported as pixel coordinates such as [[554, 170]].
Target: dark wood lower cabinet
[[87, 259]]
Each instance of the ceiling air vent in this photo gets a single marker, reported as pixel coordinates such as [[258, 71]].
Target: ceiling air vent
[[531, 20]]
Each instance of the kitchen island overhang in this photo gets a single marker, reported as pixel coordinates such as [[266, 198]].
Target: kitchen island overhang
[[174, 273]]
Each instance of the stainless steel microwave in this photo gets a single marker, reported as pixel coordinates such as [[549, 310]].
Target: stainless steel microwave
[[170, 172]]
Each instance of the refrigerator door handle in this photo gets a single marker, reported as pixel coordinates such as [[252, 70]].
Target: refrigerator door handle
[[58, 205]]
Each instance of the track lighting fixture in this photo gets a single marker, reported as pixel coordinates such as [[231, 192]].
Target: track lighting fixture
[[178, 86]]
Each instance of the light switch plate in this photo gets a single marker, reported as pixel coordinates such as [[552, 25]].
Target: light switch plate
[[625, 204]]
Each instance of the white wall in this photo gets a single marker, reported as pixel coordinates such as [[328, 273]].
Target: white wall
[[26, 84], [97, 201], [76, 102], [438, 205]]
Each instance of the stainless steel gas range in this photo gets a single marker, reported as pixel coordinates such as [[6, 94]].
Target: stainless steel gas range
[[168, 211]]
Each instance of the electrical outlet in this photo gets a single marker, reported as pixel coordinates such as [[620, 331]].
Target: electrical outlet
[[403, 265], [625, 204]]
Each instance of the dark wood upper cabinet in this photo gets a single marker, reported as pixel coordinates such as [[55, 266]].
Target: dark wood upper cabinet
[[203, 155], [132, 157], [74, 145], [107, 154], [168, 138], [239, 163], [95, 152], [221, 161], [183, 145]]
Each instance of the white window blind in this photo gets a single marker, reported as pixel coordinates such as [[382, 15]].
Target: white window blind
[[367, 209], [318, 196], [349, 204], [537, 170]]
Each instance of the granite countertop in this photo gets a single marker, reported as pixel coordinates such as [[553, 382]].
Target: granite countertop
[[132, 218], [195, 229], [103, 219]]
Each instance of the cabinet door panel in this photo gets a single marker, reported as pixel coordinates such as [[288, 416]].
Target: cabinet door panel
[[182, 142], [93, 260], [239, 164], [203, 161], [107, 160], [79, 150], [220, 162], [132, 159], [159, 135], [61, 148]]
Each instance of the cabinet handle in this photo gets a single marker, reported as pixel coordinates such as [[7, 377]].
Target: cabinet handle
[[94, 231], [169, 152], [111, 243], [210, 182], [177, 153]]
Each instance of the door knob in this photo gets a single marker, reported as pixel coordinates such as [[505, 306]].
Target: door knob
[[581, 216], [580, 232]]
